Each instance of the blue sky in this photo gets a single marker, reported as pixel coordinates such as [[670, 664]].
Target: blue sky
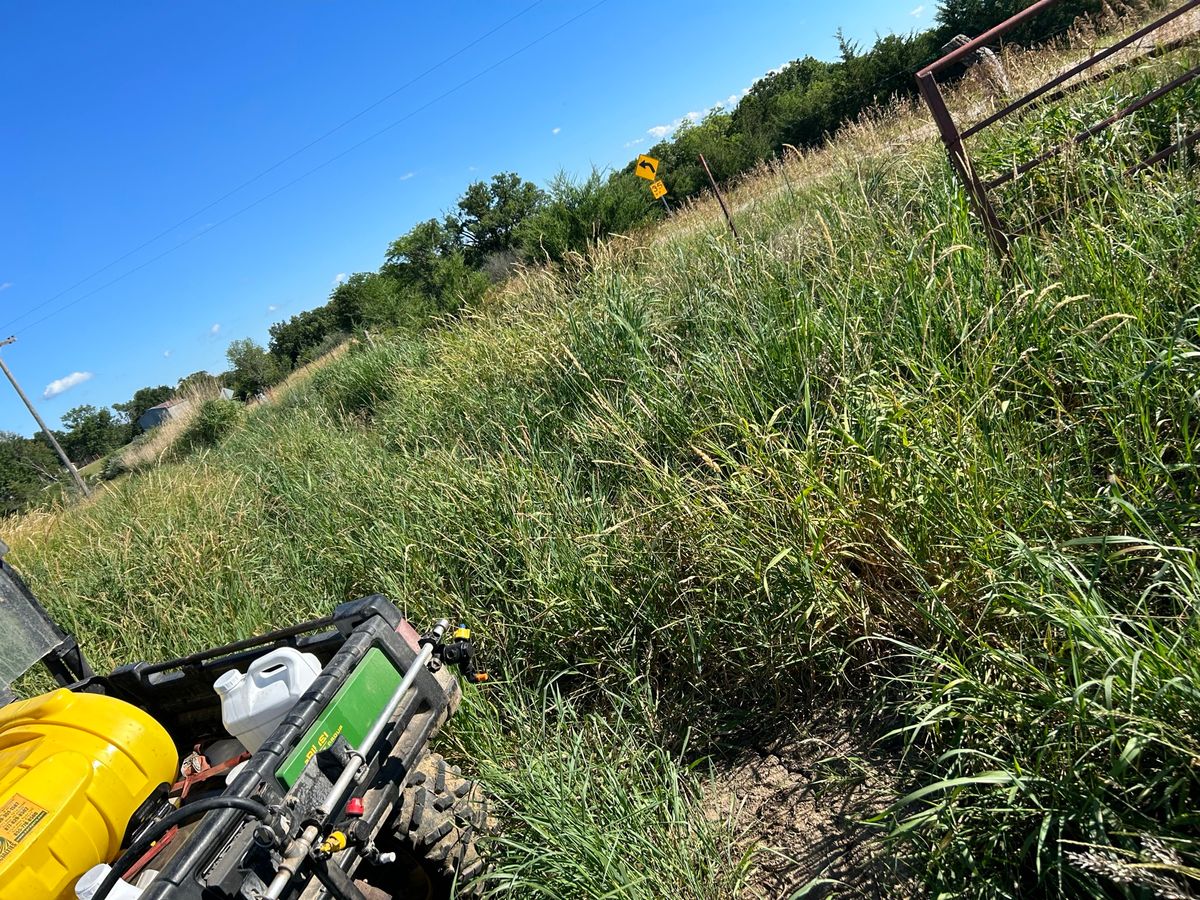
[[121, 120]]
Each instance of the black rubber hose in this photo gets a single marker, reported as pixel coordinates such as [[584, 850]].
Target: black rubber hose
[[182, 815]]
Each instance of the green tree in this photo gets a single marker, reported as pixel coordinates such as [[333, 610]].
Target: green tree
[[974, 17], [144, 398], [457, 284], [304, 331], [713, 137], [578, 213], [27, 467], [251, 369], [365, 300], [415, 259], [432, 272], [91, 433], [489, 214]]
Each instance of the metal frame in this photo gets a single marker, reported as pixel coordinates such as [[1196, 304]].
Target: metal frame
[[220, 856], [221, 859], [953, 137]]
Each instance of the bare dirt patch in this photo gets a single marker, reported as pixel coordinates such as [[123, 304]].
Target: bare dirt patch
[[805, 800]]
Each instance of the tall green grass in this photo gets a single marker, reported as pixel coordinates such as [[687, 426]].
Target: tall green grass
[[686, 489]]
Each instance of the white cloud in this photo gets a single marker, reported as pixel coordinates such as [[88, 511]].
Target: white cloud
[[216, 329], [658, 132], [555, 130], [916, 12], [635, 142], [5, 286], [59, 385], [339, 278], [407, 175], [271, 307]]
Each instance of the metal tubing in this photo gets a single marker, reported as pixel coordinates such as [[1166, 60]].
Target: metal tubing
[[976, 190], [1158, 157], [1105, 74], [1083, 66], [299, 849], [986, 38], [296, 853], [1093, 130]]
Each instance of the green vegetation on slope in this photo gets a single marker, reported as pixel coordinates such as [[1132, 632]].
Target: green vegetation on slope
[[442, 265], [686, 489]]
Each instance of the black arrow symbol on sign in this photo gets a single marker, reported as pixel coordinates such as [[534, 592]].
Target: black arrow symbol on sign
[[645, 165]]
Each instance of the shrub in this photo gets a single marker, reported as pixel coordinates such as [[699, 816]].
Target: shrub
[[360, 383], [114, 466], [213, 421]]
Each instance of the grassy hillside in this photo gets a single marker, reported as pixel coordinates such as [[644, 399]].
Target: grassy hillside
[[692, 492]]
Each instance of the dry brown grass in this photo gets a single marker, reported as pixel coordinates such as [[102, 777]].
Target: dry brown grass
[[151, 450], [904, 129], [302, 374]]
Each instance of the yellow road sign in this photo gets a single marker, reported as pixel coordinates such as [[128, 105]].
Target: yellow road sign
[[658, 189], [647, 167]]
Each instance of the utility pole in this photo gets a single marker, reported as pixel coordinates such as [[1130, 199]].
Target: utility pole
[[79, 482]]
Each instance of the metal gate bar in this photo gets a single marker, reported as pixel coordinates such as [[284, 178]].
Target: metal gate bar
[[1094, 129], [953, 138], [1084, 66]]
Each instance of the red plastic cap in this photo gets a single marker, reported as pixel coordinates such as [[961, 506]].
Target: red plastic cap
[[354, 806]]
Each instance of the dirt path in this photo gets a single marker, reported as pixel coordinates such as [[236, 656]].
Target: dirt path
[[805, 800]]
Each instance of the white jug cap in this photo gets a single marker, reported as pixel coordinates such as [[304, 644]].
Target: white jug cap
[[228, 682], [90, 880]]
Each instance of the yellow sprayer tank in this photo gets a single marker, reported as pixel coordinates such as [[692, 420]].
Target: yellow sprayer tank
[[73, 770]]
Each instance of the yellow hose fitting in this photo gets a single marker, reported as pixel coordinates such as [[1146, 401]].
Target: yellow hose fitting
[[335, 843]]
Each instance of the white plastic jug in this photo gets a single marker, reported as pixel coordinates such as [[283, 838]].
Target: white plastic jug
[[87, 885], [252, 705]]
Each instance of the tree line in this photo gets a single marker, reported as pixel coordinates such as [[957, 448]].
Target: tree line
[[445, 264]]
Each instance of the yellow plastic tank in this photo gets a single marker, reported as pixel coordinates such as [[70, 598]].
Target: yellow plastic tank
[[73, 770]]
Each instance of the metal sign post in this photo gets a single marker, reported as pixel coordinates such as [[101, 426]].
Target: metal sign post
[[658, 190]]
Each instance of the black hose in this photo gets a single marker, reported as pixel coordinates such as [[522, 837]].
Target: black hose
[[182, 815]]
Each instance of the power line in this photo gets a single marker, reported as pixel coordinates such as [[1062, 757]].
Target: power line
[[316, 168], [267, 171]]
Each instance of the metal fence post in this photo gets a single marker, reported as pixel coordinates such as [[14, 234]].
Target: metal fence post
[[976, 190], [720, 198]]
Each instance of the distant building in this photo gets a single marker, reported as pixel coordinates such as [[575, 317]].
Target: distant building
[[156, 415], [170, 409]]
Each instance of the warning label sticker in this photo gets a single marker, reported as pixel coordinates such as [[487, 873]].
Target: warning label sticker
[[18, 817]]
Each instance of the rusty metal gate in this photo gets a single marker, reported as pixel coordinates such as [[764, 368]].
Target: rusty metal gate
[[979, 188]]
